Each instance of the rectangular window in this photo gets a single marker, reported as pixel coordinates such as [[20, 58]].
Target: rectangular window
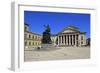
[[29, 36], [33, 43], [81, 42], [36, 38], [25, 28], [25, 35], [29, 43], [81, 37], [33, 36], [25, 43], [36, 43]]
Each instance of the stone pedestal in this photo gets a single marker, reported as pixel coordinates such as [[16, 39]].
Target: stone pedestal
[[47, 46]]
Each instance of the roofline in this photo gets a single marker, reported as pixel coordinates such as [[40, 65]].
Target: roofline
[[82, 32], [34, 33], [70, 29], [72, 32], [26, 24]]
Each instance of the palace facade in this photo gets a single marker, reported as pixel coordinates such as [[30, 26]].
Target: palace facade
[[31, 39], [69, 36]]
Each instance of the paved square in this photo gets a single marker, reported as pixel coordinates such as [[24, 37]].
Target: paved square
[[63, 53]]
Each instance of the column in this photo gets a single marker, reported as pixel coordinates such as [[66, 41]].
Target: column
[[69, 41], [58, 40], [72, 40], [66, 40], [75, 40], [63, 39]]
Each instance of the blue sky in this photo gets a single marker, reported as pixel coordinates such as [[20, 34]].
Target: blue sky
[[57, 21]]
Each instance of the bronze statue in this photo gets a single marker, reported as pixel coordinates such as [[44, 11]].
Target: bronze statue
[[46, 35]]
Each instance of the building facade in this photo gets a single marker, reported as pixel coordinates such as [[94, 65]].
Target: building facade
[[70, 36], [31, 39]]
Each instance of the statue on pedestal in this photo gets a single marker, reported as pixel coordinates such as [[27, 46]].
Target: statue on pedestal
[[46, 35], [46, 39]]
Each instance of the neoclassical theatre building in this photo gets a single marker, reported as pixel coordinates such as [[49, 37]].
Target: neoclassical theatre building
[[69, 36]]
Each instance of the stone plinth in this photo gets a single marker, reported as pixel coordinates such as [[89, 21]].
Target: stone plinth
[[47, 46]]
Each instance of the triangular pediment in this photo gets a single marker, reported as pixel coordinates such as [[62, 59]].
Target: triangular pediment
[[70, 29]]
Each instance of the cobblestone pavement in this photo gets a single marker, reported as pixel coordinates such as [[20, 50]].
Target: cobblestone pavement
[[62, 53]]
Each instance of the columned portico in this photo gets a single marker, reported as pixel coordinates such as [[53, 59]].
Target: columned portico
[[68, 40], [71, 37]]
